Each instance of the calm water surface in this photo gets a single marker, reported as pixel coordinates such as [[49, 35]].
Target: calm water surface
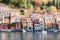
[[29, 36]]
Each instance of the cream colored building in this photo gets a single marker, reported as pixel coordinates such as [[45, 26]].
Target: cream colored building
[[4, 14]]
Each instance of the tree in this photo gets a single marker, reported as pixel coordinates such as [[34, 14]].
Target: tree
[[38, 2], [14, 3], [5, 1], [18, 3], [23, 3], [30, 6], [45, 1], [44, 4], [43, 7], [33, 2], [0, 0]]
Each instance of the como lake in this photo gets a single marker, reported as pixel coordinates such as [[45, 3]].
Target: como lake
[[29, 36]]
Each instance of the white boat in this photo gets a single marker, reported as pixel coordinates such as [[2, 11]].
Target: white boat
[[44, 32], [23, 30]]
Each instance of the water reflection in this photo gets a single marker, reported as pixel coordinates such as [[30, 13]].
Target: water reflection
[[4, 36], [29, 36]]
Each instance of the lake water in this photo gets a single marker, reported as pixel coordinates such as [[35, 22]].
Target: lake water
[[29, 36]]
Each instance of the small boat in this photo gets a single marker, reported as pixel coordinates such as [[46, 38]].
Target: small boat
[[56, 31], [44, 32], [23, 30]]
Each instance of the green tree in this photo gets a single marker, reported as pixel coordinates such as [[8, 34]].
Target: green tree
[[5, 1], [30, 6], [23, 3], [44, 4], [18, 3], [45, 1], [0, 0], [33, 2], [14, 3]]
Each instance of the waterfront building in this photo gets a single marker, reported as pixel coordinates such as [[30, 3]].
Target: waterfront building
[[6, 13]]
